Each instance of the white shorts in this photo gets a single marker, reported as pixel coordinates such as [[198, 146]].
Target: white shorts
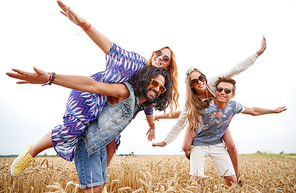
[[219, 155]]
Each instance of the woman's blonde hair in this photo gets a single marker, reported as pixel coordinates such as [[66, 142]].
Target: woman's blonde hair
[[174, 77], [193, 103]]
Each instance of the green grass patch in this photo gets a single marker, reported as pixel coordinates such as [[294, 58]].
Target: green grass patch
[[279, 156]]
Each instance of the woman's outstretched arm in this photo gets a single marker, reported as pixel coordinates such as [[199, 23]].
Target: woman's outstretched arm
[[101, 40]]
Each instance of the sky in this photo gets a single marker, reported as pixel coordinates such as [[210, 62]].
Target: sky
[[211, 35]]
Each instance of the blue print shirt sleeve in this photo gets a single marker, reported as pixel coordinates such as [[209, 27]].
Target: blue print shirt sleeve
[[238, 108]]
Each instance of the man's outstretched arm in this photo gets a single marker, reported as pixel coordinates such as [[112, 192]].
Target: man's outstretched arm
[[255, 111], [81, 83]]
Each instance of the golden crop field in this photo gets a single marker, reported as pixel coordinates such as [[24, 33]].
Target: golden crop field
[[152, 174]]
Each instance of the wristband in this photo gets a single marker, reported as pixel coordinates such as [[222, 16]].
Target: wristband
[[47, 82], [52, 78], [84, 25], [87, 27]]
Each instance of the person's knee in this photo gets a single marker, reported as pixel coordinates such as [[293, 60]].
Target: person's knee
[[96, 189]]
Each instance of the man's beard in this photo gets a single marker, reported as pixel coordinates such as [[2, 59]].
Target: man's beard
[[149, 98]]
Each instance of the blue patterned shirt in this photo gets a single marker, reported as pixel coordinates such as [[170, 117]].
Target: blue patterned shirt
[[121, 66], [214, 122], [84, 107]]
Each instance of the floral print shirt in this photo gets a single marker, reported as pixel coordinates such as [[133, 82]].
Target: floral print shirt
[[214, 122]]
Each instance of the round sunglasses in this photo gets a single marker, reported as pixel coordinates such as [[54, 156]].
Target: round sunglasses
[[165, 58], [154, 83], [201, 78], [226, 90]]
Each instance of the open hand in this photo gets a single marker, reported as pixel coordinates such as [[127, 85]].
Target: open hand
[[71, 14], [151, 134], [280, 109], [263, 47], [159, 144], [37, 77]]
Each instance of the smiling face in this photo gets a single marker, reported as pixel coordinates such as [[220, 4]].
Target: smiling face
[[153, 92], [159, 61], [222, 97], [201, 85]]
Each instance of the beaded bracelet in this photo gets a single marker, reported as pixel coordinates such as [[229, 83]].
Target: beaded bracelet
[[50, 80]]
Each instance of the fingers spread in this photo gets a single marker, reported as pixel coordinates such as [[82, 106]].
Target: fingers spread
[[20, 72], [15, 75], [63, 13]]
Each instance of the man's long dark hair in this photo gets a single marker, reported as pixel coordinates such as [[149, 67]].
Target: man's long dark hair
[[141, 80]]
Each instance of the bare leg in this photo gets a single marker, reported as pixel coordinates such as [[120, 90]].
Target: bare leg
[[196, 178], [229, 180], [197, 190], [110, 151], [231, 150], [186, 146], [96, 189], [44, 143]]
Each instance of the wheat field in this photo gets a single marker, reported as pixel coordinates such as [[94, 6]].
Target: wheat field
[[152, 174]]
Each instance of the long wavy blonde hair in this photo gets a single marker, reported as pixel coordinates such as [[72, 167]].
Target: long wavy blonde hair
[[174, 77], [193, 103]]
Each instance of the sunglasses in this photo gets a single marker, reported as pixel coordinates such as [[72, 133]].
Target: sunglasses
[[154, 83], [201, 78], [165, 58], [226, 90]]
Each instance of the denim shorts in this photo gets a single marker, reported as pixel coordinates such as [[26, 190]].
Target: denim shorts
[[91, 170], [218, 153]]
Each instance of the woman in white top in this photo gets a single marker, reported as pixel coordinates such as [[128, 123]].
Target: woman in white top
[[206, 93]]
